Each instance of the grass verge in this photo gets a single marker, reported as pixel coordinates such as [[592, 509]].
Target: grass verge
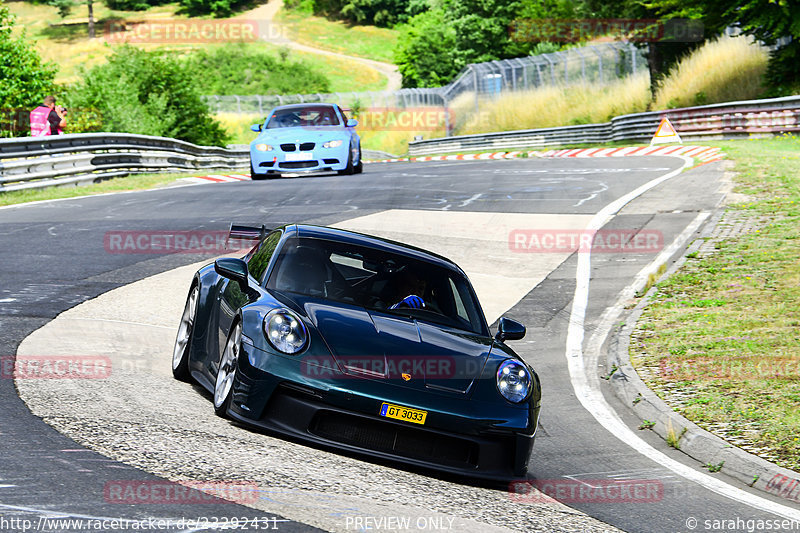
[[720, 340], [369, 42], [133, 182]]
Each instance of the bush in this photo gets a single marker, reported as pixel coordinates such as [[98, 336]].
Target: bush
[[239, 69], [134, 5], [384, 13], [26, 79], [149, 93], [218, 8]]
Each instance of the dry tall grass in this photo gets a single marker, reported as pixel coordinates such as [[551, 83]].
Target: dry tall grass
[[552, 106], [724, 70], [239, 126]]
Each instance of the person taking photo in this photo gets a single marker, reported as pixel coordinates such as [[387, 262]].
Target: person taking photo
[[48, 118]]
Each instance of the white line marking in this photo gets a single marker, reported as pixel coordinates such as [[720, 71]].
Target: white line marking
[[469, 200], [585, 380]]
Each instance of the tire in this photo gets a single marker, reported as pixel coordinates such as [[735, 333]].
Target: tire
[[349, 169], [359, 168], [223, 387], [183, 341]]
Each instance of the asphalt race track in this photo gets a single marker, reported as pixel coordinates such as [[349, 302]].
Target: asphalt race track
[[140, 426]]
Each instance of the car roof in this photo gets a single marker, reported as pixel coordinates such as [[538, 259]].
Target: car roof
[[370, 241], [307, 104]]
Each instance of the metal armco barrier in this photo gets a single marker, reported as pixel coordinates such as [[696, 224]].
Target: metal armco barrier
[[37, 162], [754, 118], [29, 163]]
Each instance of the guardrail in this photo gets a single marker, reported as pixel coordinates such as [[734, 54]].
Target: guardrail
[[37, 162], [28, 162], [751, 118]]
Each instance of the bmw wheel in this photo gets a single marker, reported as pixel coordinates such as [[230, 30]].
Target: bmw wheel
[[183, 342], [227, 370], [359, 167], [350, 168]]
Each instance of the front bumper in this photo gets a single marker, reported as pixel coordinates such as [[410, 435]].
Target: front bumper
[[460, 436], [277, 160]]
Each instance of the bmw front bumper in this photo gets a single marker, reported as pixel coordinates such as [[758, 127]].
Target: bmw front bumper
[[316, 159]]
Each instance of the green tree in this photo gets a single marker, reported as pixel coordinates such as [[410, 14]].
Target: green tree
[[425, 52], [773, 22], [65, 8], [150, 93], [26, 79], [436, 44]]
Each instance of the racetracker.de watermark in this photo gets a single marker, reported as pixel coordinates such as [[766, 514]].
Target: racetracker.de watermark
[[729, 368], [576, 240], [586, 491], [420, 119], [192, 31], [579, 30], [180, 492], [55, 367], [172, 242], [405, 367]]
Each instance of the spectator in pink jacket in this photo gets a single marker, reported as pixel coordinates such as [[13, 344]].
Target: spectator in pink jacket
[[48, 118]]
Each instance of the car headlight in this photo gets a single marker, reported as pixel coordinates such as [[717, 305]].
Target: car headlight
[[263, 148], [333, 144], [285, 331], [513, 381]]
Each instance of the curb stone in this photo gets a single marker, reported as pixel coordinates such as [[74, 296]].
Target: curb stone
[[694, 441]]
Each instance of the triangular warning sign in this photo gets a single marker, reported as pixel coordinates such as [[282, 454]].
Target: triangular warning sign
[[665, 133]]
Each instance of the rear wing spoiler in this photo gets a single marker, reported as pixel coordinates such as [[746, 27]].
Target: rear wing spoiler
[[246, 233]]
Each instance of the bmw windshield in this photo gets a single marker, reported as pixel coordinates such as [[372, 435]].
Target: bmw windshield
[[311, 116]]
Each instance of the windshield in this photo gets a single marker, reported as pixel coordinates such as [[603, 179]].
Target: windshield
[[377, 280], [311, 116]]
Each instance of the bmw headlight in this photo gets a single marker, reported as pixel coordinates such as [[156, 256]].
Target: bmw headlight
[[263, 148], [285, 331], [513, 381], [332, 144]]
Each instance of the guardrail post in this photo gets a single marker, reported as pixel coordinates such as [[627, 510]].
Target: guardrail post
[[475, 86]]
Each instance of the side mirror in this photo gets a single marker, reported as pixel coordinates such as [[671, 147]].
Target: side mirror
[[232, 268], [352, 123], [509, 330], [256, 127]]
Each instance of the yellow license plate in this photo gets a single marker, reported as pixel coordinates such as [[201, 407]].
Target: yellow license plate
[[407, 414]]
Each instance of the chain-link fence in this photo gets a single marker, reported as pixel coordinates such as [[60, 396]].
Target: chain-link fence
[[595, 65], [261, 104]]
